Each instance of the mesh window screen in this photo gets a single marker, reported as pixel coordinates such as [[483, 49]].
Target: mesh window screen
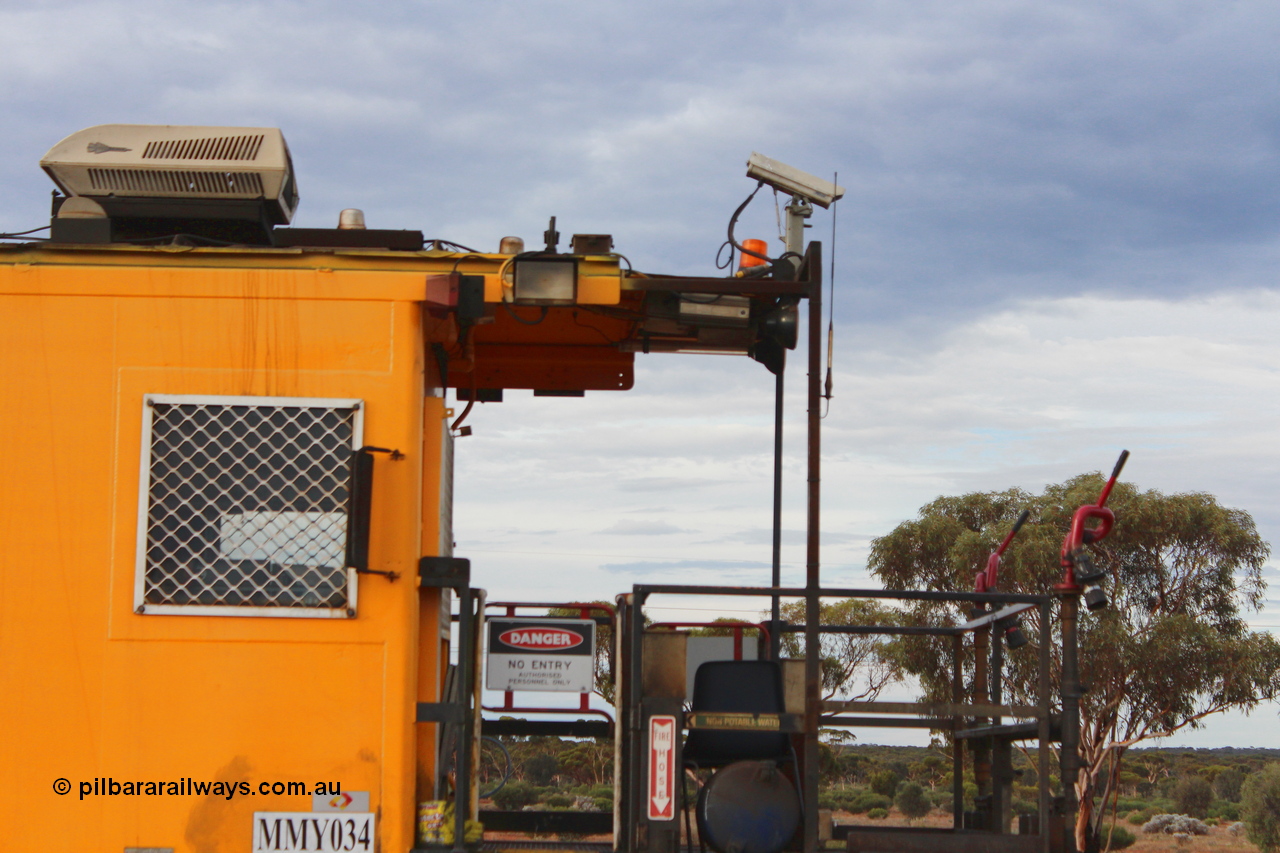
[[245, 503]]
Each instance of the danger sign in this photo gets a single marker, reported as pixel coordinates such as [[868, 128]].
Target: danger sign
[[546, 655], [662, 767], [541, 639]]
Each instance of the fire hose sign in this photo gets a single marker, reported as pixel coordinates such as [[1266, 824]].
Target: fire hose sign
[[546, 655], [662, 767]]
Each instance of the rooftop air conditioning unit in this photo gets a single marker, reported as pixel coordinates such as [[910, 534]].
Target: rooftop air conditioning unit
[[178, 172]]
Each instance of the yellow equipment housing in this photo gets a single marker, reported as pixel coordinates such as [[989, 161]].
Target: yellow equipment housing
[[128, 667]]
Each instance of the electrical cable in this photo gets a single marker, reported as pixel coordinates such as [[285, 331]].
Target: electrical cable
[[523, 322], [438, 245], [468, 342], [16, 234], [733, 220], [728, 261], [777, 215], [198, 240], [467, 257], [599, 331], [467, 410]]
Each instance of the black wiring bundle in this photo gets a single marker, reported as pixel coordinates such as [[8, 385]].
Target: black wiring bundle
[[4, 235]]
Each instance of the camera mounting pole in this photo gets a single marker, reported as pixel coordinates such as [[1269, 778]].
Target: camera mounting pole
[[798, 211]]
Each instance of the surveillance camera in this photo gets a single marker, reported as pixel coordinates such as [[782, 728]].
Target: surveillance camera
[[780, 176]]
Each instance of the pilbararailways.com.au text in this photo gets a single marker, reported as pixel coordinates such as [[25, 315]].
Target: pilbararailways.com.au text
[[188, 787]]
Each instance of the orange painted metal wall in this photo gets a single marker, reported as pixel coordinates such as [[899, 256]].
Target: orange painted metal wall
[[105, 693]]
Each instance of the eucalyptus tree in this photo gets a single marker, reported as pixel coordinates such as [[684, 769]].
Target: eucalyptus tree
[[854, 666], [1173, 647]]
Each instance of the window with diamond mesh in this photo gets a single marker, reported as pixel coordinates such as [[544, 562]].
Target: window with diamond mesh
[[244, 504]]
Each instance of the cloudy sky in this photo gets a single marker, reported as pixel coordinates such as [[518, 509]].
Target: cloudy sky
[[1060, 237]]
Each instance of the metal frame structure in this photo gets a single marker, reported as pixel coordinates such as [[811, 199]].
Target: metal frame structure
[[458, 712], [976, 722]]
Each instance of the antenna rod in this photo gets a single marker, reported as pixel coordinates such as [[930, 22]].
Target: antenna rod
[[831, 303]]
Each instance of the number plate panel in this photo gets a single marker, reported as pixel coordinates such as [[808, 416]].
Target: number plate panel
[[313, 832]]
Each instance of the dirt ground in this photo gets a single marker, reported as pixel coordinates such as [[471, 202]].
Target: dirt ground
[[1219, 840]]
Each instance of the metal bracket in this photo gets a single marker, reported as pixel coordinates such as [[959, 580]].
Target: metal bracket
[[391, 576], [395, 455], [452, 572]]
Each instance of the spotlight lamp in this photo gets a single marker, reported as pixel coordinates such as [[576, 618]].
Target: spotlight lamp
[[1082, 565], [1095, 597], [1013, 636], [544, 280]]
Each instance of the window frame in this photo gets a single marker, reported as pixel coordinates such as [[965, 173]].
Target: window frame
[[140, 605]]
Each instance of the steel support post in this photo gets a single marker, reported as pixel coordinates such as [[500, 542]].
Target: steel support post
[[957, 748], [462, 779], [812, 612], [623, 807], [775, 621], [1001, 748], [1070, 766], [1043, 727], [635, 741], [981, 747]]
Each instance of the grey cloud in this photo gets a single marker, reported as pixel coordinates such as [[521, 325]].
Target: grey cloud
[[790, 536], [990, 149], [666, 566], [637, 527], [664, 484]]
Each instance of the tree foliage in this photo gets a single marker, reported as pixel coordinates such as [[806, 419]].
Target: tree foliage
[[603, 675], [1173, 647], [1260, 801], [1193, 796], [912, 801], [1227, 784], [884, 782], [854, 666]]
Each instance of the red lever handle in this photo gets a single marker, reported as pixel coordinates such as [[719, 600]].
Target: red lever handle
[[1073, 545], [985, 580]]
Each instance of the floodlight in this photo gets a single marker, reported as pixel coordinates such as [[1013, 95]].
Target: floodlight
[[1013, 636], [1084, 569], [1095, 597], [789, 179], [549, 280]]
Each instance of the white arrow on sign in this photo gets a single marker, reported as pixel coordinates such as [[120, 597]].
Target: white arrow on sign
[[662, 776]]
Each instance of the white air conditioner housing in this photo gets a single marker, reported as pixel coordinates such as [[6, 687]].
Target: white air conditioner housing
[[140, 161]]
